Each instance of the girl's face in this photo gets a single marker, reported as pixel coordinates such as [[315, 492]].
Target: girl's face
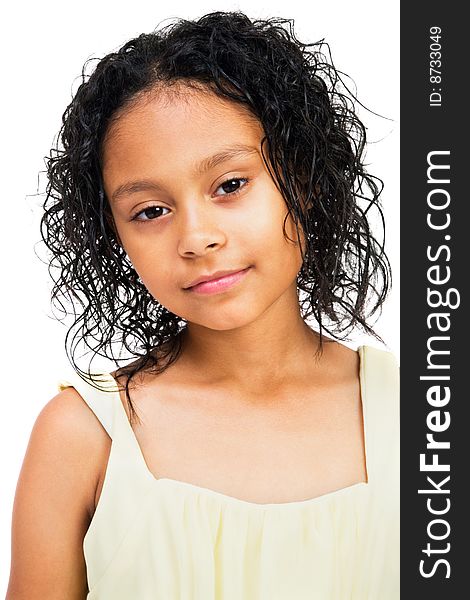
[[190, 196]]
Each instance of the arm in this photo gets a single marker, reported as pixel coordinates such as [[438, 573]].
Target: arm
[[55, 501]]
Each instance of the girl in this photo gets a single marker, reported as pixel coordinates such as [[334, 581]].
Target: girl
[[208, 198]]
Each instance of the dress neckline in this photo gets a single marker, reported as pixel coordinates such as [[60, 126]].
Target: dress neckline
[[191, 487]]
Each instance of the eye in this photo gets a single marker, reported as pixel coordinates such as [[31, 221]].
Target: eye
[[150, 212], [228, 186]]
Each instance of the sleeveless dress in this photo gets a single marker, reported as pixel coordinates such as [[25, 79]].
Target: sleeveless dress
[[163, 539]]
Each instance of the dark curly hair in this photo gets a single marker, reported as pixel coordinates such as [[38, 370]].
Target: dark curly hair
[[314, 145]]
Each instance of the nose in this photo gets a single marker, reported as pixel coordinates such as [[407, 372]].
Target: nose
[[199, 232]]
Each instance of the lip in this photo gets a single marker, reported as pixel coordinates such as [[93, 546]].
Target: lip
[[217, 282]]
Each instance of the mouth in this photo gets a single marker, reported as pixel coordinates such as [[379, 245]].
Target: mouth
[[219, 282]]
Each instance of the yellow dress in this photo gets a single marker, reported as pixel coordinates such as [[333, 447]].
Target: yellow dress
[[163, 539]]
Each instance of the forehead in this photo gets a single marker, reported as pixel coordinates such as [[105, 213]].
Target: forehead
[[176, 116], [173, 140]]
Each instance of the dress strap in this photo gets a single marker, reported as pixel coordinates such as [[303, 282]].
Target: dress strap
[[380, 400], [102, 403], [127, 480], [108, 408]]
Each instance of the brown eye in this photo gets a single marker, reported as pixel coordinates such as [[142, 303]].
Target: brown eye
[[149, 213], [232, 186]]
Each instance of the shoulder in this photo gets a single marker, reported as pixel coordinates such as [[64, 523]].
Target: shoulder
[[68, 437], [376, 366], [64, 409], [54, 499], [381, 387], [381, 352], [68, 415], [380, 361]]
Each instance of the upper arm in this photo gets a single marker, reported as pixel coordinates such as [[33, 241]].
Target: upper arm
[[54, 501]]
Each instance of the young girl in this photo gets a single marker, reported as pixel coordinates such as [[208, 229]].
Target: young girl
[[208, 198]]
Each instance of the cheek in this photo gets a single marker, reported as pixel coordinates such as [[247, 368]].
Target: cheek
[[266, 235], [148, 259], [159, 279], [142, 254], [158, 275]]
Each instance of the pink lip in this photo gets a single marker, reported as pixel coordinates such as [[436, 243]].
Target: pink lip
[[214, 286]]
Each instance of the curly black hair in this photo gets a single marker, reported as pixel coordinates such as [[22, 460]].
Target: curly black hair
[[314, 144]]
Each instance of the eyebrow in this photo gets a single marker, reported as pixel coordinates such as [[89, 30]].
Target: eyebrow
[[228, 153]]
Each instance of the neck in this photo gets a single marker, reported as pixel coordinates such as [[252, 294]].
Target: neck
[[264, 355]]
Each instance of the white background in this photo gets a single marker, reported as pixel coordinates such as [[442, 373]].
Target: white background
[[44, 45]]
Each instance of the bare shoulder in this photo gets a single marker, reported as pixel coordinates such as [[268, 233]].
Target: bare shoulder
[[67, 429], [54, 500], [68, 410]]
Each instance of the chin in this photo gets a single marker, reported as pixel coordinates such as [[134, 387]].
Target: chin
[[223, 324], [224, 320]]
